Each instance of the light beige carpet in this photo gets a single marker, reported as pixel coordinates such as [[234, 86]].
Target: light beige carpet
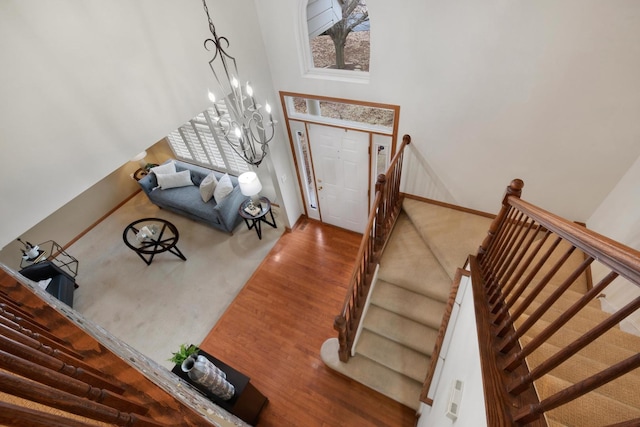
[[155, 308]]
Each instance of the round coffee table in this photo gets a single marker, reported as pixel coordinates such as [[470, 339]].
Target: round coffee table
[[148, 237]]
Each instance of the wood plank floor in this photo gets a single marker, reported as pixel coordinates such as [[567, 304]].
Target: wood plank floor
[[274, 329]]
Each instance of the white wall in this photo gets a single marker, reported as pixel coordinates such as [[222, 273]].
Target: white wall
[[489, 90], [618, 217], [459, 361], [486, 90], [86, 85]]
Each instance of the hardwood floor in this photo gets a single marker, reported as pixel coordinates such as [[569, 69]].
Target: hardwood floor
[[275, 327]]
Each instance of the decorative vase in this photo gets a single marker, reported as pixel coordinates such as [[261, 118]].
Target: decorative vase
[[202, 371]]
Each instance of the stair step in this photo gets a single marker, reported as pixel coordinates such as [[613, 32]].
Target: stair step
[[373, 375], [452, 235], [401, 329], [606, 349], [572, 263], [592, 409], [409, 304], [579, 367], [585, 320], [408, 262], [394, 356], [568, 298]]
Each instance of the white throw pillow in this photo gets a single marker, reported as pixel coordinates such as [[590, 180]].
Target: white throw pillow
[[172, 180], [223, 188], [207, 186], [166, 168]]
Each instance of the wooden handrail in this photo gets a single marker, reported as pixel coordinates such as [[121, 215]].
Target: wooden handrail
[[517, 285], [616, 256], [384, 212]]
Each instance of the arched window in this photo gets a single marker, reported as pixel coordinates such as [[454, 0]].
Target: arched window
[[336, 34]]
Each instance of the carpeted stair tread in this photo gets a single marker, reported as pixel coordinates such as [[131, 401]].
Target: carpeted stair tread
[[585, 320], [578, 368], [400, 329], [567, 299], [373, 375], [572, 263], [408, 262], [592, 409], [602, 349], [452, 235], [408, 304], [394, 356]]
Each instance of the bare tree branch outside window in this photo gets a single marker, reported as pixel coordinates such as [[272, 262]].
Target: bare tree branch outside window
[[349, 37]]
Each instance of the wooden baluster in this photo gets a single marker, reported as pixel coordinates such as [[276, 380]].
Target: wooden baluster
[[536, 290], [490, 256], [532, 412], [381, 188], [35, 327], [546, 304], [586, 338], [502, 253], [35, 356], [41, 338], [50, 396], [522, 382], [513, 297], [19, 416], [514, 189], [511, 283], [62, 382], [513, 250]]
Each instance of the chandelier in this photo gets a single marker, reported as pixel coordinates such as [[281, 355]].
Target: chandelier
[[244, 126]]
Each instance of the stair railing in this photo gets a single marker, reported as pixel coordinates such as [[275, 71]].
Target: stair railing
[[384, 212], [522, 281]]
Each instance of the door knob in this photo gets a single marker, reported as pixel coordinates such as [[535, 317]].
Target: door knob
[[319, 188]]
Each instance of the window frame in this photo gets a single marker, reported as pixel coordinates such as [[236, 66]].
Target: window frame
[[307, 67]]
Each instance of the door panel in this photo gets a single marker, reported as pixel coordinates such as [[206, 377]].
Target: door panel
[[341, 164]]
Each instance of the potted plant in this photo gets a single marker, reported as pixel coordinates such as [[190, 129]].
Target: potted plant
[[184, 353]]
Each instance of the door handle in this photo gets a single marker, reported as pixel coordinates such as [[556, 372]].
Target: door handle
[[319, 188]]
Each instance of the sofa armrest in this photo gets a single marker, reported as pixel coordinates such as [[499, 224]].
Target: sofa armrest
[[228, 208], [148, 183]]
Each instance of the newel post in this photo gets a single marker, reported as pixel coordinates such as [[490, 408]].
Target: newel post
[[514, 189], [340, 325]]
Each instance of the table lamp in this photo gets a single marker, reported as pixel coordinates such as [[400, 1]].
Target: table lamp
[[140, 158], [250, 186]]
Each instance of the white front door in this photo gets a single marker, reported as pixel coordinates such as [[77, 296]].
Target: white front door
[[341, 165]]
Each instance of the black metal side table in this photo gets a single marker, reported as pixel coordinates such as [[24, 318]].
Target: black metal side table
[[151, 236], [255, 221]]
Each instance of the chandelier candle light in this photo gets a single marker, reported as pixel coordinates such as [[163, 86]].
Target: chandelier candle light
[[252, 131]]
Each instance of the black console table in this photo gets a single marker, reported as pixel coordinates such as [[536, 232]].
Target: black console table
[[246, 403]]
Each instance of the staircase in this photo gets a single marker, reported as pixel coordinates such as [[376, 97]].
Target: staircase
[[409, 298]]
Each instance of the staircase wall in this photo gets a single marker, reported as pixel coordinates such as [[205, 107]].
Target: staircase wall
[[459, 360]]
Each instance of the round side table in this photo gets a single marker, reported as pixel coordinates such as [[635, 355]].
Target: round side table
[[148, 237], [255, 221]]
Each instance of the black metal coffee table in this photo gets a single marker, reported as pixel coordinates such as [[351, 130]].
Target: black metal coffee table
[[151, 236]]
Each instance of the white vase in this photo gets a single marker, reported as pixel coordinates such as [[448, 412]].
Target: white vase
[[202, 371]]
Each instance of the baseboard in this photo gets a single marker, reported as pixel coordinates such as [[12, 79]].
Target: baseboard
[[449, 205]]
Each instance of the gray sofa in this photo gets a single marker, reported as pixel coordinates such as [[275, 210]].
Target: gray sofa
[[187, 201]]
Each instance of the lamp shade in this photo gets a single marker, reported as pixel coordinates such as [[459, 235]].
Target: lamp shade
[[140, 159], [249, 184]]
